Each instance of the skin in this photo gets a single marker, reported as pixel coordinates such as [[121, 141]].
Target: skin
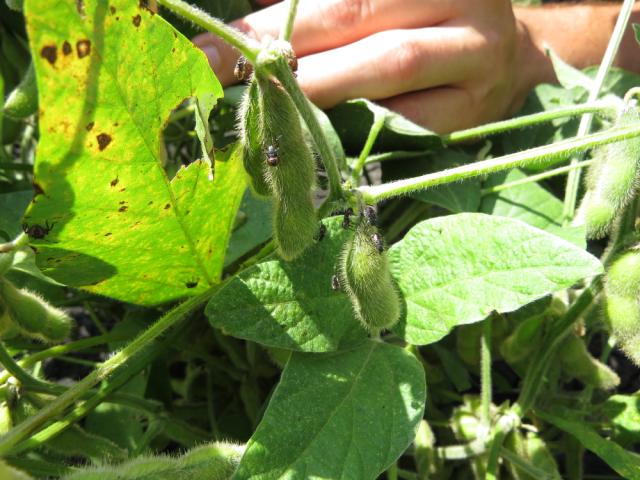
[[445, 64]]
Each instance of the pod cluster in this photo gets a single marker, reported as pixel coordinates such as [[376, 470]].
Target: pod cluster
[[622, 302], [279, 163], [364, 274], [612, 180]]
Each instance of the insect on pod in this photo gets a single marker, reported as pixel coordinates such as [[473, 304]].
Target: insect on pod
[[322, 231], [371, 215], [243, 69], [378, 241], [346, 220], [365, 276], [273, 158], [294, 220], [250, 126], [335, 283]]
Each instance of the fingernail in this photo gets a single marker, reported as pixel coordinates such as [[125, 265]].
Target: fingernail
[[213, 55]]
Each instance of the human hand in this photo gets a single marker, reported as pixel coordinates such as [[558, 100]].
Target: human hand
[[445, 64]]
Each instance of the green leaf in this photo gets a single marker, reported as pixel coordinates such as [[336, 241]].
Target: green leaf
[[624, 413], [532, 204], [254, 229], [291, 305], [12, 206], [457, 269], [636, 31], [344, 415], [622, 461], [108, 79], [354, 118], [569, 76]]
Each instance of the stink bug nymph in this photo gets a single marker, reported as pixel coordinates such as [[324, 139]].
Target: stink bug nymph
[[242, 69], [273, 157], [322, 231], [377, 240], [370, 214], [335, 283], [37, 231], [346, 221]]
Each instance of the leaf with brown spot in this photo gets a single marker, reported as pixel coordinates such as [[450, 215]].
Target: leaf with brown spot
[[105, 113]]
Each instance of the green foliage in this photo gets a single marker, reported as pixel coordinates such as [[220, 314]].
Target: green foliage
[[124, 190], [343, 388], [458, 269]]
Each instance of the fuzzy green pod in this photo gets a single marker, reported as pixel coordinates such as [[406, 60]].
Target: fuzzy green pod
[[524, 339], [622, 301], [578, 363], [23, 100], [290, 171], [366, 278], [250, 125], [33, 316], [612, 180]]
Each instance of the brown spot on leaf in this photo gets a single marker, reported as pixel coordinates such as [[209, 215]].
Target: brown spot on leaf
[[66, 48], [167, 206], [49, 53], [122, 202], [107, 234], [112, 9], [150, 202], [191, 284], [123, 189], [114, 182], [80, 7], [136, 20], [83, 48], [104, 139], [90, 126], [123, 208]]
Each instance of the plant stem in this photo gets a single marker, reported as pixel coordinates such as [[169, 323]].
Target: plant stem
[[573, 180], [378, 123], [120, 361], [476, 133], [396, 155], [535, 178], [485, 372], [287, 28], [524, 465], [247, 46], [549, 154], [282, 72]]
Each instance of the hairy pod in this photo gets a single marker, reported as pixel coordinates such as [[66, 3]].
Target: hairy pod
[[524, 339], [612, 180], [578, 363], [23, 100], [366, 278], [251, 136], [292, 177], [33, 316], [622, 301]]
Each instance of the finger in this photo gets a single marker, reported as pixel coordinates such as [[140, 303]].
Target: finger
[[327, 24], [442, 109], [323, 25], [390, 63]]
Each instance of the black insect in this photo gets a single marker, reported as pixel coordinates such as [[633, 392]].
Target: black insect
[[335, 283], [346, 220], [322, 231], [378, 241], [37, 231], [273, 156], [242, 69], [370, 214]]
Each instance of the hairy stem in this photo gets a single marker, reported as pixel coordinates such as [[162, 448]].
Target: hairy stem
[[573, 180], [378, 123], [592, 107], [535, 178], [485, 371], [549, 154], [287, 28], [247, 46]]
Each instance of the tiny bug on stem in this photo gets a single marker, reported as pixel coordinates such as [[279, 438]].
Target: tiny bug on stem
[[273, 158], [242, 69], [322, 231], [335, 283], [37, 231]]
